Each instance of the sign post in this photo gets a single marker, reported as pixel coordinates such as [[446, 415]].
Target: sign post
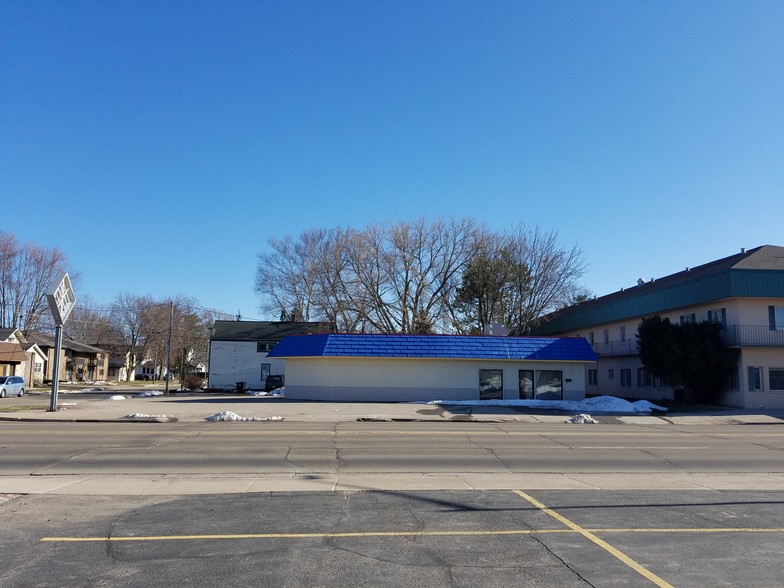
[[61, 300]]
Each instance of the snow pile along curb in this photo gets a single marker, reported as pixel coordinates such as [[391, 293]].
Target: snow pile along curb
[[583, 419], [227, 415]]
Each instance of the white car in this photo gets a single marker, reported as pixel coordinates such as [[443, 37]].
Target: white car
[[11, 386]]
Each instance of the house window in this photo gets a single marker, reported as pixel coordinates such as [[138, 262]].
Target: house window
[[755, 378], [526, 378], [776, 378], [491, 384], [265, 371], [591, 338], [626, 378], [593, 377], [606, 335], [611, 374], [719, 316], [623, 333], [549, 385], [687, 319], [776, 318], [264, 347]]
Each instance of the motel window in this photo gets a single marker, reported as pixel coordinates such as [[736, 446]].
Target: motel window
[[755, 378], [626, 378], [549, 385], [731, 383], [593, 377], [719, 316], [526, 378], [688, 319], [776, 378], [644, 378], [776, 318], [491, 384]]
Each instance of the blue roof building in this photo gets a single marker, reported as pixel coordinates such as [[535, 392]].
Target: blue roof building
[[388, 368]]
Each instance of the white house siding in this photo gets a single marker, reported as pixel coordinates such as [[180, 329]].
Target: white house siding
[[398, 379], [239, 361]]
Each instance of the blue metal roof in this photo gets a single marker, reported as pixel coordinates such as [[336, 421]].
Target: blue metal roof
[[435, 347]]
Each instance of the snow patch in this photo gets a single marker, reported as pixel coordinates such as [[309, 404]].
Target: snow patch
[[139, 415], [227, 415], [597, 404], [149, 393], [117, 397], [583, 419]]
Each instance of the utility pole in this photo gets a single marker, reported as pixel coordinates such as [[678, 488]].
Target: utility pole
[[168, 349]]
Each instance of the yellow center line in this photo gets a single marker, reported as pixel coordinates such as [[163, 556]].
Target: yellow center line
[[644, 572], [350, 534]]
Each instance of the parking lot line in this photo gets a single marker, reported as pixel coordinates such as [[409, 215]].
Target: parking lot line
[[643, 571]]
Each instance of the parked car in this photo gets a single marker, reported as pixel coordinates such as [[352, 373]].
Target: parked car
[[273, 382], [11, 386]]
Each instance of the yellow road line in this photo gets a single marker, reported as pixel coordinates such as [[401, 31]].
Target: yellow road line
[[308, 535], [404, 534], [644, 572]]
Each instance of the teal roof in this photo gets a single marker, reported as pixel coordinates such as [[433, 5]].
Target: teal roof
[[435, 347], [757, 273]]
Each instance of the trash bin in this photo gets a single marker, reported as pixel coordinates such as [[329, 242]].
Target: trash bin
[[241, 387]]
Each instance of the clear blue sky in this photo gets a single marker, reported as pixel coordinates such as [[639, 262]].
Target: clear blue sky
[[159, 144]]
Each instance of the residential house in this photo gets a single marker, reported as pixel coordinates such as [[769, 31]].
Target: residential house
[[743, 292], [79, 362], [393, 368], [18, 357], [238, 351]]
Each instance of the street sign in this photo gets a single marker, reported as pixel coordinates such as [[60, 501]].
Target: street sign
[[61, 299]]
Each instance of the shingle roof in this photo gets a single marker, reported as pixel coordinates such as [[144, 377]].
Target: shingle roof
[[264, 330], [435, 347], [45, 340]]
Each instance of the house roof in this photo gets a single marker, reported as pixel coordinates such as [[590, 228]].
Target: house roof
[[44, 340], [12, 353], [435, 347], [264, 330], [5, 334], [758, 272]]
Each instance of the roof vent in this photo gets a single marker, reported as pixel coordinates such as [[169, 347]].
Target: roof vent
[[743, 251], [640, 281]]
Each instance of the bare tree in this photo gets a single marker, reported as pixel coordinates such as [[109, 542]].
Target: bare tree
[[419, 276], [549, 279], [131, 319], [26, 274], [90, 323]]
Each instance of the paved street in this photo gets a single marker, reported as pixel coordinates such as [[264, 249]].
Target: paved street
[[376, 498]]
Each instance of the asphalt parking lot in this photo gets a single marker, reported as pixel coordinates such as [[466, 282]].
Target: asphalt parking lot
[[386, 538]]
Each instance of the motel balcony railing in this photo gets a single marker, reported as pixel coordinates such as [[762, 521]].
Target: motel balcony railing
[[752, 336], [627, 347], [732, 335]]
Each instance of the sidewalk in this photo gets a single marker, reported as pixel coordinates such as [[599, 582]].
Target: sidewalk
[[197, 407]]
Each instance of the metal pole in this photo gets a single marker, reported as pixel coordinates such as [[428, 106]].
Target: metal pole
[[58, 343], [168, 349]]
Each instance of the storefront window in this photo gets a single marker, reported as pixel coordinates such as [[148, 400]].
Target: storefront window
[[491, 384]]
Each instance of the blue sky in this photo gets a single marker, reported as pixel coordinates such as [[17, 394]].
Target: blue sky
[[159, 144]]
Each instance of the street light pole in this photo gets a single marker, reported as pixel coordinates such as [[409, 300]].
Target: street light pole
[[168, 349]]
